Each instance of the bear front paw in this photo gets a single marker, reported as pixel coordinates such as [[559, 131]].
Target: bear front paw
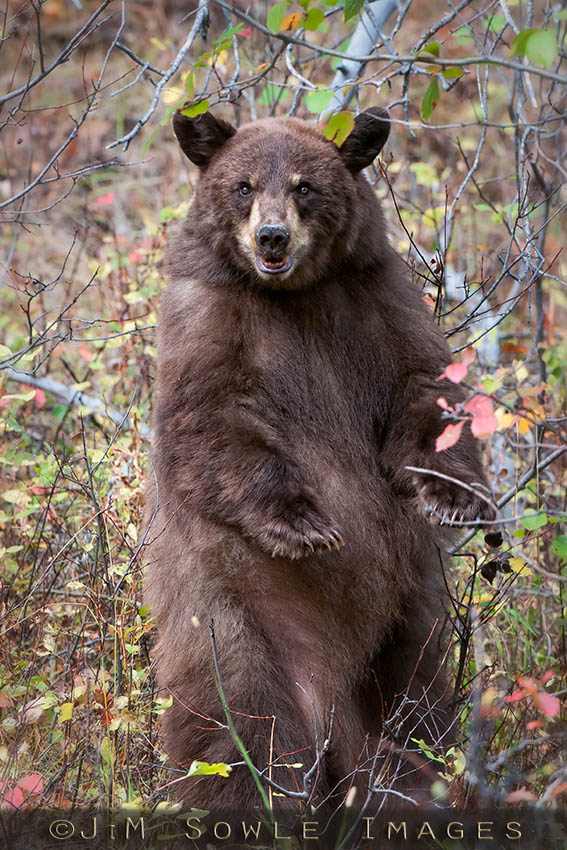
[[303, 532], [450, 503]]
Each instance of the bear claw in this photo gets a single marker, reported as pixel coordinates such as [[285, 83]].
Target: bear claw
[[300, 538]]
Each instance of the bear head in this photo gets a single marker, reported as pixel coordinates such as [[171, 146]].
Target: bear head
[[276, 200]]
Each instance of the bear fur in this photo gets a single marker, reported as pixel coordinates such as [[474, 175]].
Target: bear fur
[[298, 375]]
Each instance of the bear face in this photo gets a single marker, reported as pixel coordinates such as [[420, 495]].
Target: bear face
[[279, 201]]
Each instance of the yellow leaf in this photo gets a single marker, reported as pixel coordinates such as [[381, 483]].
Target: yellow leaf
[[524, 426], [291, 22], [504, 418], [520, 566], [97, 455], [220, 59], [485, 596], [66, 712], [106, 381], [521, 373], [172, 95], [18, 396], [133, 297], [166, 808], [339, 126], [16, 497]]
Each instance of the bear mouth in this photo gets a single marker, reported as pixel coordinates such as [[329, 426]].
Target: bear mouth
[[274, 265]]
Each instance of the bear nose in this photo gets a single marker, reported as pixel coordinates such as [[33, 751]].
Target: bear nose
[[272, 237]]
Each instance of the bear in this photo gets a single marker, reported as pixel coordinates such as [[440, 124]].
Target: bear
[[298, 377]]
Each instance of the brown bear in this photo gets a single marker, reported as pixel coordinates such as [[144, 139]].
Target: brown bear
[[298, 377]]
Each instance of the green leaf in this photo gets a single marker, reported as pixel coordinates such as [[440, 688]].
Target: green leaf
[[559, 546], [534, 521], [432, 47], [495, 23], [352, 8], [314, 19], [275, 17], [196, 108], [519, 43], [452, 73], [430, 99], [318, 101], [339, 126], [425, 173], [427, 750], [106, 751], [463, 36], [271, 94], [228, 34], [203, 768], [541, 48]]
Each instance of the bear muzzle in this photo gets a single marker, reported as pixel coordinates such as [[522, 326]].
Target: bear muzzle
[[272, 241]]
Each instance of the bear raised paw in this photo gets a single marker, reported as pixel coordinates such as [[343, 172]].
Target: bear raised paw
[[297, 379]]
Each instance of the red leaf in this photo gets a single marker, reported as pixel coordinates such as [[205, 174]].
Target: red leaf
[[32, 784], [455, 372], [484, 421], [449, 437], [547, 704], [515, 697], [39, 398], [528, 684], [86, 353], [246, 33], [12, 799], [533, 724], [443, 404], [546, 677], [105, 200], [522, 795]]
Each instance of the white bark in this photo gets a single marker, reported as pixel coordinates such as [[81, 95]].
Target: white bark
[[71, 396], [367, 33]]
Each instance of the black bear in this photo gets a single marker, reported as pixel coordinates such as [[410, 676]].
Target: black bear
[[298, 376]]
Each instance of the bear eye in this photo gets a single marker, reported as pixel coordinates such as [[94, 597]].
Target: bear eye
[[244, 190], [304, 189]]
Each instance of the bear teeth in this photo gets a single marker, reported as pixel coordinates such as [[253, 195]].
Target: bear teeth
[[272, 265]]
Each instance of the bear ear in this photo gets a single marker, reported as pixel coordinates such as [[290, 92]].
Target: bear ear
[[201, 137], [368, 137]]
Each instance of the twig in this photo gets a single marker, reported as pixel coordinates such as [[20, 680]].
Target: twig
[[198, 23]]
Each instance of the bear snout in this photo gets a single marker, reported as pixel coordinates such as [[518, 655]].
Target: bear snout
[[272, 238]]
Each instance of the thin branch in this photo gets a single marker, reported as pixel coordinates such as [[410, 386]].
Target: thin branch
[[198, 24]]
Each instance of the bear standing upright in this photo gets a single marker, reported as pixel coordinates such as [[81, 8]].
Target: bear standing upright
[[297, 378]]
